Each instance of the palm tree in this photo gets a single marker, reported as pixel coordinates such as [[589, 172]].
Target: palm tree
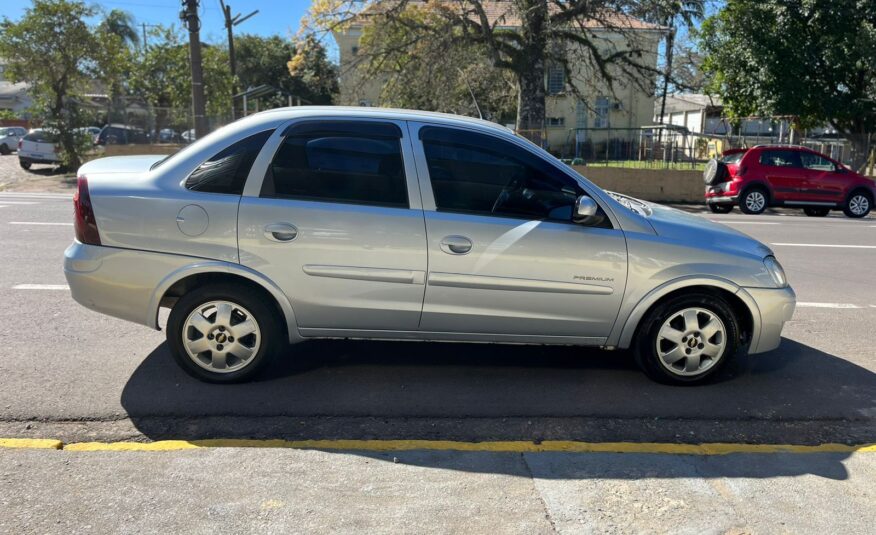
[[671, 14], [121, 23]]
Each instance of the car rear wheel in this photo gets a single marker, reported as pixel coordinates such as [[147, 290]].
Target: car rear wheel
[[753, 201], [721, 208], [858, 204], [816, 212], [687, 339], [223, 333], [24, 164], [4, 149]]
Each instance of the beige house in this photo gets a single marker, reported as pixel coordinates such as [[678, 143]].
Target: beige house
[[573, 125]]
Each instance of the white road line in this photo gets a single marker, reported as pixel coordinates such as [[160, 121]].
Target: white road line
[[40, 287], [39, 223], [730, 222], [828, 305], [19, 202], [825, 245], [9, 194]]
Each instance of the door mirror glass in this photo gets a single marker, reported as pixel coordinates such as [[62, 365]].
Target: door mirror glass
[[586, 211]]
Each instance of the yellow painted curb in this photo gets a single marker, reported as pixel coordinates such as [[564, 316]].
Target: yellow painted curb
[[494, 446], [31, 443]]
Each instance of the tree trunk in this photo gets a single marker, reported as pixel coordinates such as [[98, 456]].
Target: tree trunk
[[860, 151], [530, 69]]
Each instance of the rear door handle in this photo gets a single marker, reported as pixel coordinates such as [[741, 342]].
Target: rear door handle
[[456, 245], [281, 232]]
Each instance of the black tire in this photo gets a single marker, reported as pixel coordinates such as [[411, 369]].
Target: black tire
[[647, 338], [4, 149], [24, 164], [271, 338], [715, 172], [721, 208], [816, 212], [856, 200], [747, 202]]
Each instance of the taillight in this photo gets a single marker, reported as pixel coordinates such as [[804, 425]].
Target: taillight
[[84, 222]]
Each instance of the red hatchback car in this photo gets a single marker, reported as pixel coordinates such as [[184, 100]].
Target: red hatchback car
[[789, 176]]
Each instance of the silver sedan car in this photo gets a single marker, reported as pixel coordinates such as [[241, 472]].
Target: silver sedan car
[[305, 222]]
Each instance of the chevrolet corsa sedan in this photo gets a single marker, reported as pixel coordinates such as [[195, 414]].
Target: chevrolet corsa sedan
[[304, 223]]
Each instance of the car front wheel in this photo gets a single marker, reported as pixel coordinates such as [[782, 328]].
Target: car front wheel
[[753, 201], [24, 164], [858, 205], [687, 339], [223, 333]]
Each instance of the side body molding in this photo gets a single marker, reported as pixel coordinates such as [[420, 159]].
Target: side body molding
[[212, 266], [622, 334]]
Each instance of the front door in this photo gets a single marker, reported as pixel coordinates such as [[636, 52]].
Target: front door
[[824, 182], [338, 225], [504, 255], [785, 174]]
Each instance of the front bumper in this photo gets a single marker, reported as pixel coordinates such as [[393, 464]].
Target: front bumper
[[730, 199], [775, 306]]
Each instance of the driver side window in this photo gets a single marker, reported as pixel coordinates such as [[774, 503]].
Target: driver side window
[[479, 174]]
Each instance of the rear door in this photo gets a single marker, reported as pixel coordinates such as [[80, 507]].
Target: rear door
[[504, 255], [784, 173], [337, 223]]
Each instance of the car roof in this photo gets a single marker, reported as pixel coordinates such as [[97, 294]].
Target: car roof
[[380, 113]]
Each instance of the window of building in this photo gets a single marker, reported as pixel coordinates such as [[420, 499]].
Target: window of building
[[603, 107], [226, 172], [556, 121], [352, 162], [355, 50], [780, 158], [479, 174], [556, 79]]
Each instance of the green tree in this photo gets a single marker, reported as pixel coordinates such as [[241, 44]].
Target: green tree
[[524, 39], [60, 56], [120, 23], [814, 60], [314, 77]]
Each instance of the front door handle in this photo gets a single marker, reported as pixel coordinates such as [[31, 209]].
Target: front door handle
[[281, 232], [456, 245]]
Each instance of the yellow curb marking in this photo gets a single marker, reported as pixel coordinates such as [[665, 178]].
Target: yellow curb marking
[[494, 446], [31, 443]]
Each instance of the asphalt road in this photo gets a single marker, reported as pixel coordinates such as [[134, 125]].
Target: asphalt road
[[75, 375]]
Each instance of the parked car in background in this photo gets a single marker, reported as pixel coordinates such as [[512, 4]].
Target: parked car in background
[[9, 138], [303, 223], [38, 146], [790, 176], [120, 134], [189, 135], [92, 131], [168, 135]]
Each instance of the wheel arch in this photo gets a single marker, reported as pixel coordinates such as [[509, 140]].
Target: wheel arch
[[757, 184], [746, 309], [212, 272]]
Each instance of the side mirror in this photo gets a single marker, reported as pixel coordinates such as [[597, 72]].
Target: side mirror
[[586, 210], [840, 169]]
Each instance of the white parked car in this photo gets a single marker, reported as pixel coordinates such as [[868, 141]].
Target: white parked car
[[39, 146], [9, 138]]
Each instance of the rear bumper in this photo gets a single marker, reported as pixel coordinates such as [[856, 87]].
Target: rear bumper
[[118, 282], [28, 159], [776, 306]]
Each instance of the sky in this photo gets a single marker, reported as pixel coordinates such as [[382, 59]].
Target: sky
[[275, 16]]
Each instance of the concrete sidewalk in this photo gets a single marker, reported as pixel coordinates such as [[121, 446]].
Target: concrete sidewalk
[[246, 490]]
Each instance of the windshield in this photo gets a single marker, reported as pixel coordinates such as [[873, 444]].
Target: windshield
[[733, 158]]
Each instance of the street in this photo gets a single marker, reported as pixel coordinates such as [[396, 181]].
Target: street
[[77, 376]]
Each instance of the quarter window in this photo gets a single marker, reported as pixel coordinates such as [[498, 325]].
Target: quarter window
[[342, 162], [226, 172], [780, 158], [476, 173]]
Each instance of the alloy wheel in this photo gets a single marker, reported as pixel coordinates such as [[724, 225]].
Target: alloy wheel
[[755, 201], [221, 336], [859, 204], [691, 341]]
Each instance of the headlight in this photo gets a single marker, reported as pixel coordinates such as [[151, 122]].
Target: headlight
[[775, 270]]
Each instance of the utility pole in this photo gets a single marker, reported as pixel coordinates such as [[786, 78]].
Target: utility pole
[[189, 16], [230, 23]]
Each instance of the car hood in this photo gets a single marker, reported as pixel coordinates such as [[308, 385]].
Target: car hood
[[682, 226], [121, 164]]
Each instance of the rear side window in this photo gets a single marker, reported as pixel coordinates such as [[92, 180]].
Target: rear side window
[[780, 158], [226, 172], [342, 162]]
